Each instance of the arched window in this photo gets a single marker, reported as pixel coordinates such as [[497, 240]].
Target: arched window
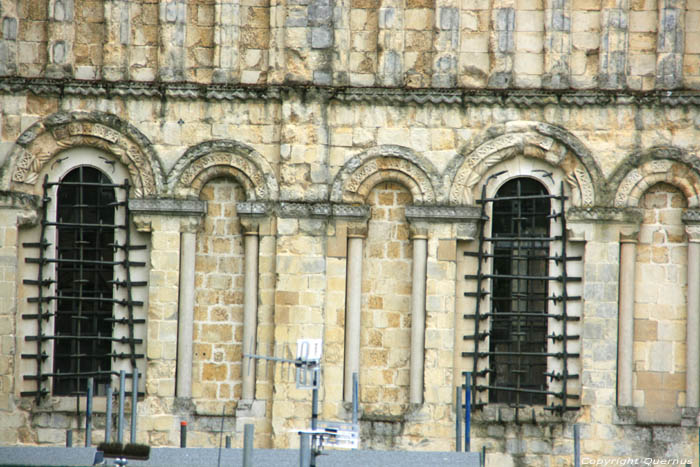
[[83, 281], [520, 231], [85, 244], [525, 287]]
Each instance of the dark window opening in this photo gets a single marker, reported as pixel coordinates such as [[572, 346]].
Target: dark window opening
[[84, 307], [521, 320], [518, 342], [85, 216]]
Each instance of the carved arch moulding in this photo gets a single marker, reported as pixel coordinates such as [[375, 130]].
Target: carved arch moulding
[[44, 140], [385, 163], [649, 172], [221, 158], [537, 140]]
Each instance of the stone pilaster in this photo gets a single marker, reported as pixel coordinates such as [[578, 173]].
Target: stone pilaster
[[502, 44], [115, 51], [226, 41], [447, 27], [60, 32], [613, 44], [557, 44], [391, 43], [8, 39], [173, 30], [670, 44], [692, 387]]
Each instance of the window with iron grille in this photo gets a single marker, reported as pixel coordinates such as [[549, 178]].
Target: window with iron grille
[[523, 344], [85, 307]]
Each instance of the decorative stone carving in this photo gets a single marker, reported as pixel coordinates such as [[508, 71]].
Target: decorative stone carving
[[532, 139], [638, 180], [44, 140], [385, 163], [522, 98], [177, 207], [442, 213], [212, 159]]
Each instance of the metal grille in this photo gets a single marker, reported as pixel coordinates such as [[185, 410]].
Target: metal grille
[[513, 334], [83, 259]]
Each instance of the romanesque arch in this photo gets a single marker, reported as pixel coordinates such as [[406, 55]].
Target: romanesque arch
[[536, 140], [645, 169], [44, 140], [361, 173], [217, 158]]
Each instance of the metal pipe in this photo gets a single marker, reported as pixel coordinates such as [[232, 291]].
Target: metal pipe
[[577, 446], [314, 412], [183, 434], [467, 411], [304, 450], [248, 435], [108, 415], [120, 422], [88, 414], [458, 409], [355, 398], [134, 402]]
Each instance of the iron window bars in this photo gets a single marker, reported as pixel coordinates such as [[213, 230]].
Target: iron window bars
[[77, 282], [522, 302]]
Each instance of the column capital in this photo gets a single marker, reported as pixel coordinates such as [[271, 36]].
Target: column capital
[[357, 229], [691, 219]]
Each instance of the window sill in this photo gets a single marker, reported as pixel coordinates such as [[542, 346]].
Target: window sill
[[500, 413], [683, 416]]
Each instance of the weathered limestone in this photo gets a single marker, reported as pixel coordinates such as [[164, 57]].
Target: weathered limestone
[[670, 44], [614, 19], [8, 40], [267, 132], [557, 44], [172, 34], [115, 52]]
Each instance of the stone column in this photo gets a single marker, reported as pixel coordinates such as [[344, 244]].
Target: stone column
[[183, 383], [352, 311], [692, 385], [625, 340], [420, 258], [250, 308]]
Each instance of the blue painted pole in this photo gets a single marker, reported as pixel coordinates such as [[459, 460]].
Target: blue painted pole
[[467, 411], [88, 414], [458, 405]]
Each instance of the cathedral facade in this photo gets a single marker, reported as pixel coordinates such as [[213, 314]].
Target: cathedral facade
[[502, 195]]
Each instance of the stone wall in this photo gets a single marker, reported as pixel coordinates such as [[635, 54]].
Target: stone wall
[[306, 126]]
